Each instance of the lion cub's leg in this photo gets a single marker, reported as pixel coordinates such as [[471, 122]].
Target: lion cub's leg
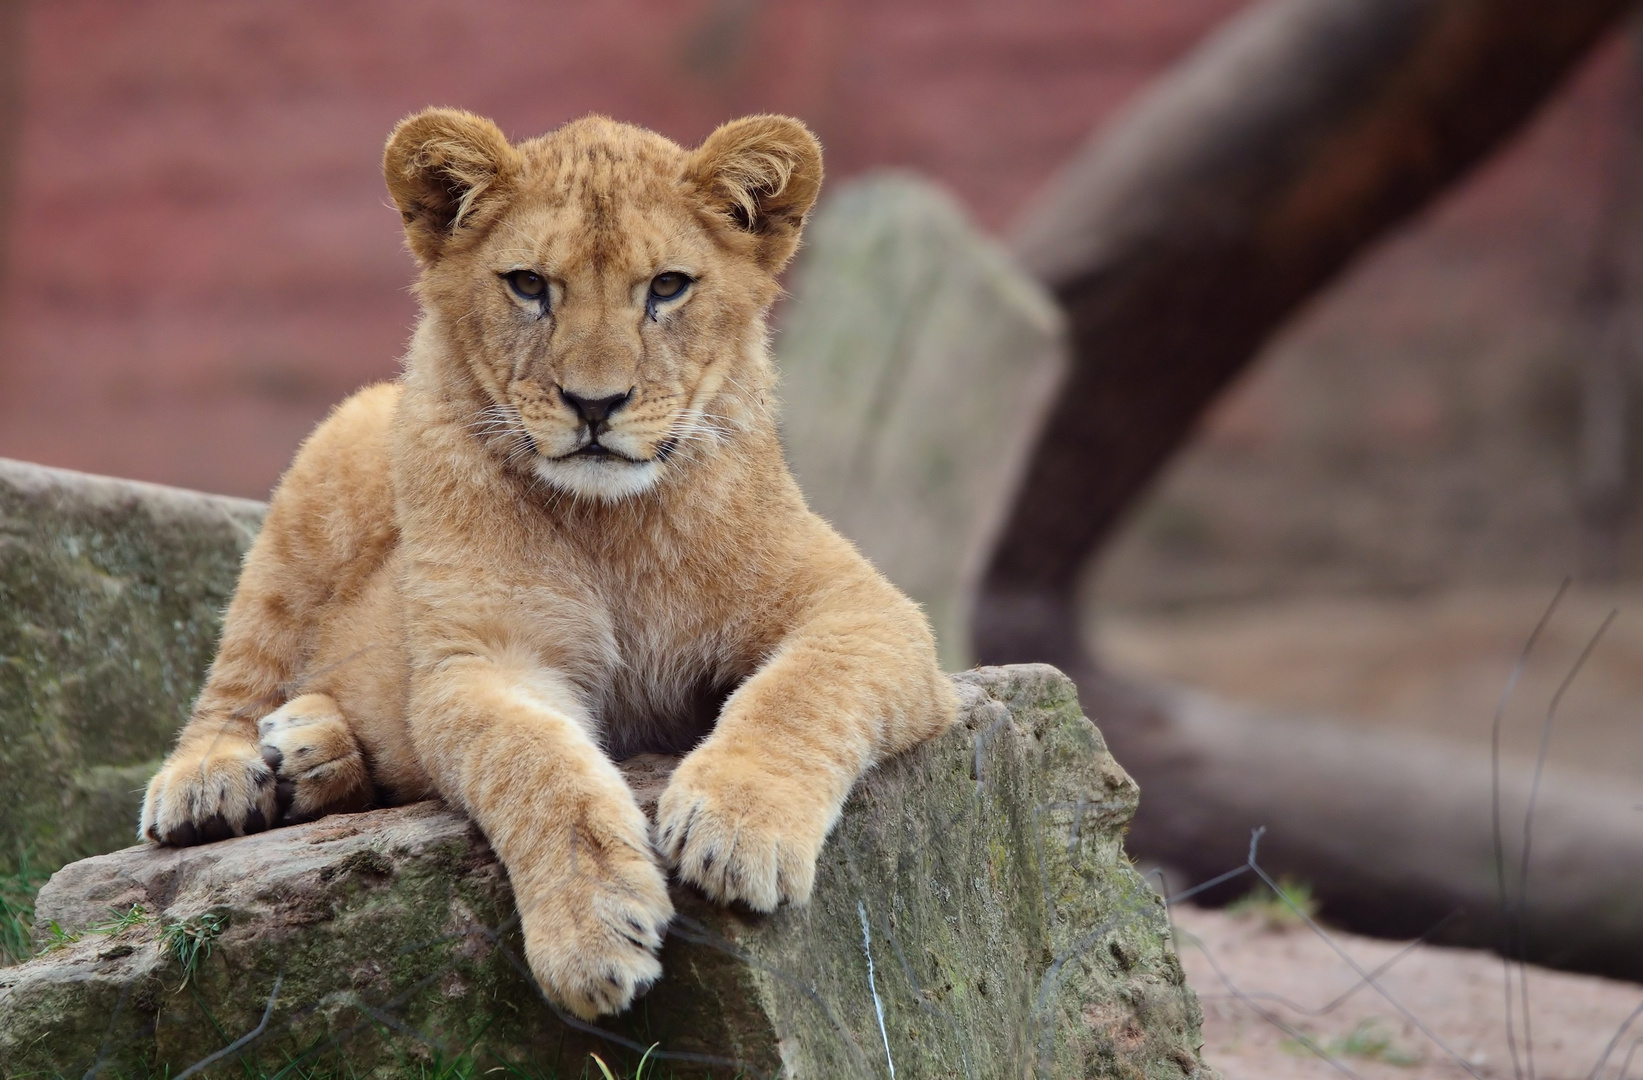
[[512, 746], [746, 812], [317, 762], [329, 529]]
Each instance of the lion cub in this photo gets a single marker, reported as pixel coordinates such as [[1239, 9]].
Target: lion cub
[[565, 536]]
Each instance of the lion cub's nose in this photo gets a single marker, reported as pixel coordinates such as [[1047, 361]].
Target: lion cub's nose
[[594, 411]]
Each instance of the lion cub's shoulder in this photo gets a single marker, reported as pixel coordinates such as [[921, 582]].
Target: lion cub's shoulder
[[348, 453], [335, 504]]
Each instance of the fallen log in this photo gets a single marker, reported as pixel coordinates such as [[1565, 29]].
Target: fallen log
[[1394, 833]]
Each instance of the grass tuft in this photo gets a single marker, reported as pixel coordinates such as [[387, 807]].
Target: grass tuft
[[17, 892], [189, 941], [638, 1074], [136, 915], [1280, 910], [1368, 1041]]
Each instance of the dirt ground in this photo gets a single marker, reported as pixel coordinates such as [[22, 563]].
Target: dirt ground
[[1280, 987], [1436, 664]]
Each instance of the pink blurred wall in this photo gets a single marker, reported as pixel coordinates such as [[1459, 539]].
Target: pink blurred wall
[[201, 260]]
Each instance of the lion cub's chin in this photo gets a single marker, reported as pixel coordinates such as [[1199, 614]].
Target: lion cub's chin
[[609, 479]]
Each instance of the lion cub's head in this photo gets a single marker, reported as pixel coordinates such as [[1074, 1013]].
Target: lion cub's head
[[601, 288]]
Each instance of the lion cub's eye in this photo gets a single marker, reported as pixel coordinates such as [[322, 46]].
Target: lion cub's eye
[[526, 284], [667, 286]]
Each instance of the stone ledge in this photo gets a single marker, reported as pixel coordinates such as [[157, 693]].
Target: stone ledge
[[982, 875]]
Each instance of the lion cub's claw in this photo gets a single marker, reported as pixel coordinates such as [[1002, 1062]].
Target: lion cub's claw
[[199, 797], [592, 945], [591, 981], [746, 838]]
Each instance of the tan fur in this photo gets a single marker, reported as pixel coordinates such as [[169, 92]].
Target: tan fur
[[441, 596]]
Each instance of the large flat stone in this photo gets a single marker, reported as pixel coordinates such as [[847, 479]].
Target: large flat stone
[[974, 916], [917, 360], [111, 594]]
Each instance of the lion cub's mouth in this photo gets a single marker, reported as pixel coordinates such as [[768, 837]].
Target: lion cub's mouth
[[602, 471], [598, 451]]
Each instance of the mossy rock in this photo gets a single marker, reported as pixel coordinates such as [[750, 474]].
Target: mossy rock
[[917, 362], [974, 916], [111, 597]]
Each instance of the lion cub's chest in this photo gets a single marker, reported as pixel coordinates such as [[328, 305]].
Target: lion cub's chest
[[669, 661]]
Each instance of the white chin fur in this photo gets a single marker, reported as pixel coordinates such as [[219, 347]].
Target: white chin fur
[[595, 478]]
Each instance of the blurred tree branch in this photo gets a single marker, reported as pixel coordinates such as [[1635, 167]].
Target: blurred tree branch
[[1178, 241], [1239, 186]]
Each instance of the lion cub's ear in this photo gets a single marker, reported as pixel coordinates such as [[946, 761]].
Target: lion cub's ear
[[448, 172], [763, 173]]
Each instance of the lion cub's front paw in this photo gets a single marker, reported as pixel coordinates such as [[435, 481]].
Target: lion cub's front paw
[[740, 832], [593, 931], [210, 793]]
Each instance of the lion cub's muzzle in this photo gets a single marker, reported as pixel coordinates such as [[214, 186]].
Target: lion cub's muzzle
[[594, 413]]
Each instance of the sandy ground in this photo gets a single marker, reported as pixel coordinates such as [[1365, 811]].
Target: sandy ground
[[1436, 664], [1307, 992]]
